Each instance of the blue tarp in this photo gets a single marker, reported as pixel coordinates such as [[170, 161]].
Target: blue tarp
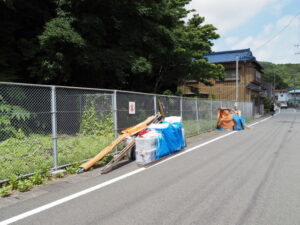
[[171, 139], [239, 122]]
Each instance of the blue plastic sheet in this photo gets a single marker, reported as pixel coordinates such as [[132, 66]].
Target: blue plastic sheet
[[239, 122], [171, 140]]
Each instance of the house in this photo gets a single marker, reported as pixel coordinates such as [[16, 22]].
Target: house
[[267, 90], [294, 96], [282, 95], [249, 82]]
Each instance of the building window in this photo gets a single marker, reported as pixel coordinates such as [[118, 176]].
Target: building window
[[257, 76], [230, 74]]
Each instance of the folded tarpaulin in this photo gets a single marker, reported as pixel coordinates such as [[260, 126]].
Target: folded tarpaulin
[[225, 121], [171, 139], [239, 122], [229, 119]]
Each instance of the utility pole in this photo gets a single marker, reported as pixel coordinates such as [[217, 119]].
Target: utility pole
[[237, 82], [297, 52], [294, 83], [274, 87]]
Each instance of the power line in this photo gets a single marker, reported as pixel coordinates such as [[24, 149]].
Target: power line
[[272, 38]]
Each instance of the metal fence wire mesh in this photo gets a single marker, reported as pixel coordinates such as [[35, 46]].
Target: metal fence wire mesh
[[189, 116], [144, 107], [25, 129], [50, 127], [84, 124]]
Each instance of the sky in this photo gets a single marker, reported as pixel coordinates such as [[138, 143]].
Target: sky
[[252, 23]]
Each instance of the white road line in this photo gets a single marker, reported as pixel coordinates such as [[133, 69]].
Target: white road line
[[68, 198], [265, 119], [109, 182], [253, 124], [193, 148]]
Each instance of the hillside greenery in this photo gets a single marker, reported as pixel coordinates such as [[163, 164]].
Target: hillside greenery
[[283, 74]]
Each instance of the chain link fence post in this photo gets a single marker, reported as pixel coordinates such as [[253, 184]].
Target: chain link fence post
[[181, 108], [211, 113], [154, 103], [197, 116], [115, 115], [54, 127], [80, 106]]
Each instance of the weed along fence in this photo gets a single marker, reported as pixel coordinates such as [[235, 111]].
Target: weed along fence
[[50, 126]]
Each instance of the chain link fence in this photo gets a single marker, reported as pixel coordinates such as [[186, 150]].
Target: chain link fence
[[50, 127]]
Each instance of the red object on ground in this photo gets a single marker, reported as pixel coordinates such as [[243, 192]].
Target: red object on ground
[[144, 132]]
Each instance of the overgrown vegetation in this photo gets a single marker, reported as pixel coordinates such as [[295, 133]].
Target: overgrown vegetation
[[131, 45], [94, 121], [43, 175], [22, 154], [9, 115], [5, 191], [20, 157], [24, 185]]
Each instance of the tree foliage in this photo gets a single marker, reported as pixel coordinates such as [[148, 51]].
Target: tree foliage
[[282, 73], [134, 45], [10, 116]]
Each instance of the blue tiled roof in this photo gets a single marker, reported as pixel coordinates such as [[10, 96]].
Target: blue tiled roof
[[230, 56]]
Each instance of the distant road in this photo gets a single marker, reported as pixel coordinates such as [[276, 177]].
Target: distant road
[[250, 177]]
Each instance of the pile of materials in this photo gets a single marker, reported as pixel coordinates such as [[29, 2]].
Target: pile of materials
[[153, 138], [230, 119], [159, 140]]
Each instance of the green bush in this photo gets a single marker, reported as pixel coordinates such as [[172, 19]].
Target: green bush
[[13, 181], [71, 169], [5, 191], [44, 170], [24, 185], [36, 179], [9, 114], [60, 175], [94, 121], [107, 158]]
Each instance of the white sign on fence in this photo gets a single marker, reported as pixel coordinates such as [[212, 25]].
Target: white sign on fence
[[131, 107]]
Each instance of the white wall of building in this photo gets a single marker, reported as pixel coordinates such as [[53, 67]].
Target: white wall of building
[[282, 96]]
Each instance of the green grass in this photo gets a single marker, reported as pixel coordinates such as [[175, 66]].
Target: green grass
[[31, 154], [194, 127]]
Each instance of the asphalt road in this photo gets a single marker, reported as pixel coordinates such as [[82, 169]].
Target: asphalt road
[[249, 177]]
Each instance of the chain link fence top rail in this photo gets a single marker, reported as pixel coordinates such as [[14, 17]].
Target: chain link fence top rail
[[51, 126]]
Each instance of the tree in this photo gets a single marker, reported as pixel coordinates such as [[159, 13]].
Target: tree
[[21, 21], [282, 73], [134, 45]]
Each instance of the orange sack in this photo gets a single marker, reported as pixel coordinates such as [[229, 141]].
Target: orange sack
[[225, 119]]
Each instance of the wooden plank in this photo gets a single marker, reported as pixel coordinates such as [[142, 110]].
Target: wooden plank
[[128, 132], [118, 157], [104, 152]]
